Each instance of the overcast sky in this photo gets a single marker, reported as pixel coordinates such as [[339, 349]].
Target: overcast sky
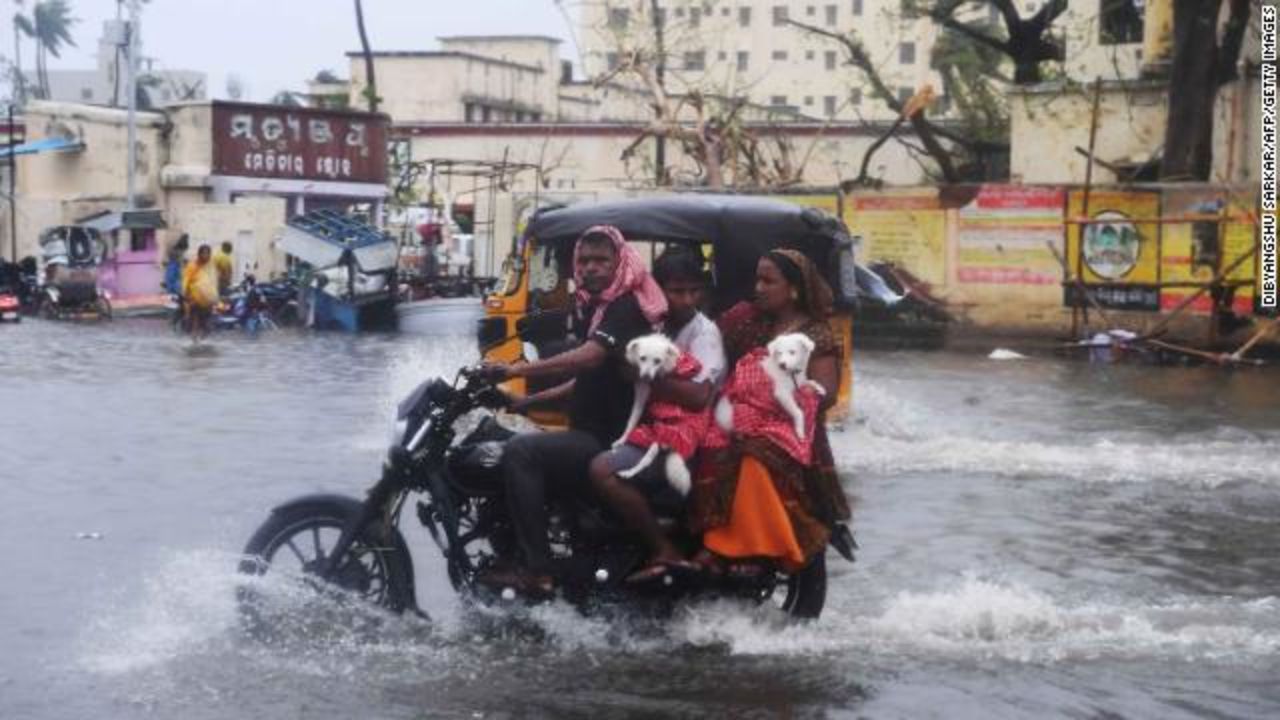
[[277, 44]]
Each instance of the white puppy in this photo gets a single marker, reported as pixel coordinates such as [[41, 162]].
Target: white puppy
[[653, 357], [787, 365]]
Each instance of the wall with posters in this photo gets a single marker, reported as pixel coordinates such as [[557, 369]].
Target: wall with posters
[[905, 227], [987, 249]]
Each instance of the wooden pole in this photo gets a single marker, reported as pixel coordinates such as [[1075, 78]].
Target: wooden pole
[[1088, 188], [1079, 284], [1217, 279], [1257, 336]]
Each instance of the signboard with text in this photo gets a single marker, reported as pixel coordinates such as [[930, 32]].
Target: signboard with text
[[287, 143]]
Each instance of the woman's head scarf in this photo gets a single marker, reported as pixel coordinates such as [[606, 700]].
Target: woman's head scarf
[[630, 277], [815, 296]]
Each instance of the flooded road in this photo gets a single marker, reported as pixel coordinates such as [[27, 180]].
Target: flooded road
[[1040, 539]]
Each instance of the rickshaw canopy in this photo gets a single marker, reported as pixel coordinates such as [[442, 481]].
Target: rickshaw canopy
[[739, 230]]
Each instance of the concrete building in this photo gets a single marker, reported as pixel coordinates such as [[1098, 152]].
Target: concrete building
[[221, 172], [1127, 52], [106, 84]]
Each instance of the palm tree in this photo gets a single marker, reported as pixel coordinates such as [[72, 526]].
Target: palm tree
[[50, 26], [21, 26]]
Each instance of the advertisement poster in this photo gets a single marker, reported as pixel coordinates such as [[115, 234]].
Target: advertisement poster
[[906, 229], [1117, 255], [1004, 234]]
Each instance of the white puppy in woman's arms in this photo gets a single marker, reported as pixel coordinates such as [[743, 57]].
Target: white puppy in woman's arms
[[787, 366]]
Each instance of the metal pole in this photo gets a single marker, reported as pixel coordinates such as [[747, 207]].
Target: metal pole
[[660, 149], [13, 193], [132, 91]]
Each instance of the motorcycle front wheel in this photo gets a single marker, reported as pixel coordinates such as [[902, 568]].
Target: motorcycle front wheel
[[298, 539]]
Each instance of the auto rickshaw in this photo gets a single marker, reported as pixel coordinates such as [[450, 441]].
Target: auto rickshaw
[[71, 256], [526, 317]]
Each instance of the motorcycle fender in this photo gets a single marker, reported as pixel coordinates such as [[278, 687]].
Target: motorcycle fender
[[346, 502], [350, 507]]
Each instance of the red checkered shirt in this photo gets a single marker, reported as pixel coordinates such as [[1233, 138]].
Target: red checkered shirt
[[670, 425]]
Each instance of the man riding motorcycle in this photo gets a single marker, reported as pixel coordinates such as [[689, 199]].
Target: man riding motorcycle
[[616, 300]]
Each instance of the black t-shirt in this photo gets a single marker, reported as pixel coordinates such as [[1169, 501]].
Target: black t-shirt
[[602, 397]]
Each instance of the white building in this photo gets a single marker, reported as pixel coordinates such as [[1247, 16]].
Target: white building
[[107, 84]]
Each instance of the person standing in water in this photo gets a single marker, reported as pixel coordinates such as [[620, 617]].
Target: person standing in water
[[200, 292]]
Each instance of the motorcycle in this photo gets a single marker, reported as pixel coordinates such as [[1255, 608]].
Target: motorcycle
[[245, 308], [356, 545]]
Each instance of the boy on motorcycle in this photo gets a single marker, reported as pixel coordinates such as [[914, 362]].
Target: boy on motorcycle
[[679, 273], [616, 300]]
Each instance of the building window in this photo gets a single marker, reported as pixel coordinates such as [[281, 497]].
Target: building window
[[722, 55], [661, 17], [811, 11], [86, 93], [695, 17], [1119, 22], [829, 59], [855, 96], [744, 60], [857, 7], [779, 54], [831, 14], [679, 12], [829, 105], [808, 54], [695, 60], [808, 100], [780, 15], [486, 114], [744, 17], [611, 60], [619, 18], [778, 100], [469, 112], [904, 94], [724, 11], [907, 53]]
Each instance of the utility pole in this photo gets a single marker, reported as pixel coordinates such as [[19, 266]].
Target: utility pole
[[13, 193], [132, 90], [660, 149]]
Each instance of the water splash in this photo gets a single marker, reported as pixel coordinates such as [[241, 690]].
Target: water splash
[[891, 435]]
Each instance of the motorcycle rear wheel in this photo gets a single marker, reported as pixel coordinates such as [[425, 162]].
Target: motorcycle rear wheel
[[298, 539], [806, 590]]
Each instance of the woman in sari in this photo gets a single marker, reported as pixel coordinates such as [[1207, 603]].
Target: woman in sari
[[763, 497]]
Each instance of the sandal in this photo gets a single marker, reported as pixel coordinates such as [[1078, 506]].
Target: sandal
[[663, 568], [710, 563], [523, 582]]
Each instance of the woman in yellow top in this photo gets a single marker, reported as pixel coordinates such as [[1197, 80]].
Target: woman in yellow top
[[200, 291]]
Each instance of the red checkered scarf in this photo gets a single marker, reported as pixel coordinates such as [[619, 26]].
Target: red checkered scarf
[[757, 414], [671, 425], [630, 277]]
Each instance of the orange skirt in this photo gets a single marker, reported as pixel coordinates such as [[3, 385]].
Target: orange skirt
[[758, 525]]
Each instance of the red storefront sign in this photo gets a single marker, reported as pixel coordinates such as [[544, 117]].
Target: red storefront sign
[[269, 141]]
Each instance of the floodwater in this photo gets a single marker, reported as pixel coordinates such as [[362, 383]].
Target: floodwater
[[1040, 538]]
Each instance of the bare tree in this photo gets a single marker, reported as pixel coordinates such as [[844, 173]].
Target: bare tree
[[1025, 41], [711, 127]]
